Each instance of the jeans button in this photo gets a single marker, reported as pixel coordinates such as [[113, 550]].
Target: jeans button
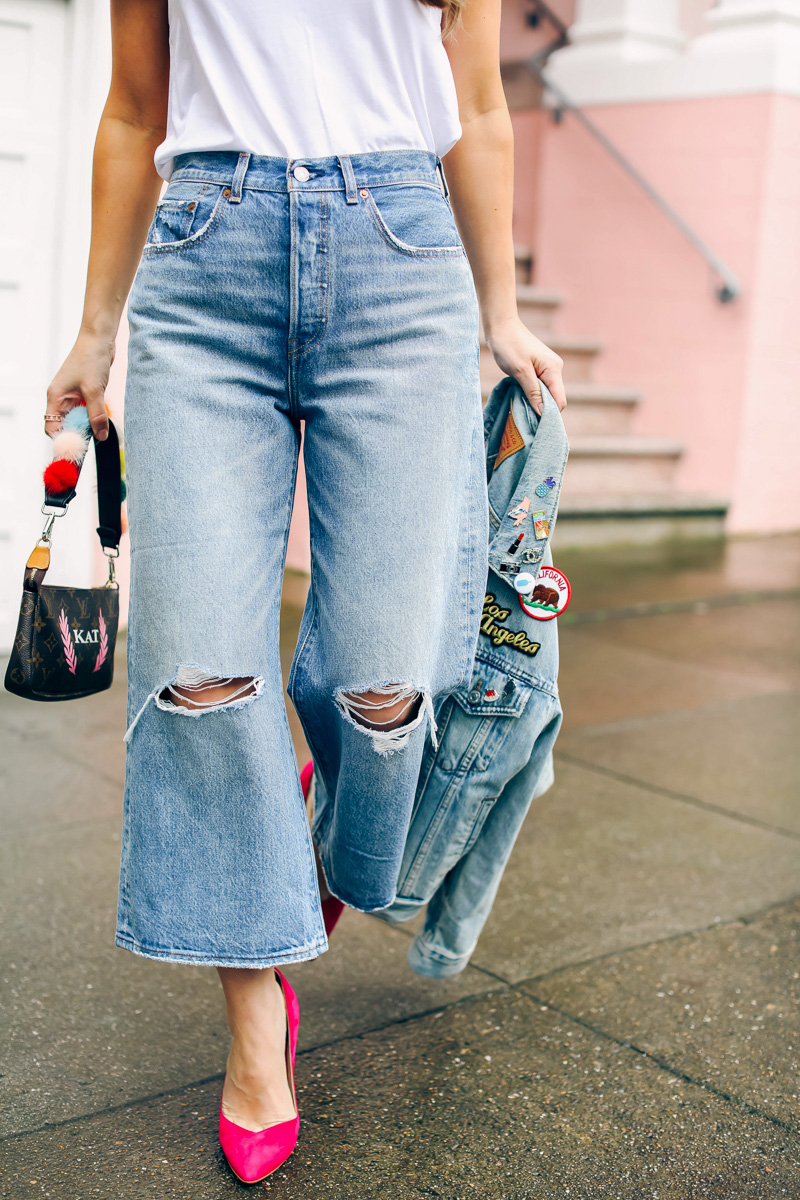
[[301, 174]]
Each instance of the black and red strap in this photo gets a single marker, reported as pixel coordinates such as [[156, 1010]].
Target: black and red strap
[[109, 491]]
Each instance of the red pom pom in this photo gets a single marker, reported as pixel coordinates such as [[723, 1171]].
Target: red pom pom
[[61, 476]]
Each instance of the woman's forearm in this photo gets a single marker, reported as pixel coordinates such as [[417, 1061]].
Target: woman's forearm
[[125, 189], [480, 174]]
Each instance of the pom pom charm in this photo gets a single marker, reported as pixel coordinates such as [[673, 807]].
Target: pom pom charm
[[60, 477], [77, 420], [70, 445], [69, 450]]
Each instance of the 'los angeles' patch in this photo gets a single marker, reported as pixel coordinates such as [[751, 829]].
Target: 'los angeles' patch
[[498, 635]]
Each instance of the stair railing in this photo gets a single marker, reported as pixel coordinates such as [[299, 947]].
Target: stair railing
[[729, 287]]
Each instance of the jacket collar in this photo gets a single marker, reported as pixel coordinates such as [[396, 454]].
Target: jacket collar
[[523, 452]]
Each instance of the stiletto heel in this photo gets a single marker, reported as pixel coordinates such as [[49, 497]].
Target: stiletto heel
[[252, 1156], [332, 908]]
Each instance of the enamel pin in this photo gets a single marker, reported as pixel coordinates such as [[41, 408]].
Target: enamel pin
[[541, 526], [520, 511]]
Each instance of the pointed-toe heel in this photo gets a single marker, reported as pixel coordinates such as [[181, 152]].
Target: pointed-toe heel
[[306, 775], [332, 908], [252, 1156]]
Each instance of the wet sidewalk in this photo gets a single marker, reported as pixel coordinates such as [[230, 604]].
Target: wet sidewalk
[[628, 1028]]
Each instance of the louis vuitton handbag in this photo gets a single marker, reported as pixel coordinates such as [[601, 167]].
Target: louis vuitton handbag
[[64, 648]]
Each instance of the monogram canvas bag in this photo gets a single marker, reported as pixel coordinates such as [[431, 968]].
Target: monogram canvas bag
[[64, 647]]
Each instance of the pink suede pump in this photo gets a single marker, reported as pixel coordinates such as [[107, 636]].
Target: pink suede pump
[[332, 908], [252, 1156]]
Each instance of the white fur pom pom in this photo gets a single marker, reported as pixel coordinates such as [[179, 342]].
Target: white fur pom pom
[[71, 446]]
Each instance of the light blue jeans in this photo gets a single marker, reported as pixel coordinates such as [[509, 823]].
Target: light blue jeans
[[334, 292]]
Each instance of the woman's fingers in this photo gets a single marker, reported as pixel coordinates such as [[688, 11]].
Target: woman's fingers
[[96, 408], [57, 408], [551, 374], [82, 378], [528, 380], [520, 353]]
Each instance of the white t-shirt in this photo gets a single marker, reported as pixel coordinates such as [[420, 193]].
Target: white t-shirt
[[307, 78]]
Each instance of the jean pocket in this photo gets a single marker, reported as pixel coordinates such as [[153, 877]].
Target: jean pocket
[[185, 215], [414, 219]]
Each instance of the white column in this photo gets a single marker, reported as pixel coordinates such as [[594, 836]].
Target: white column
[[610, 37], [624, 51], [752, 45], [623, 30]]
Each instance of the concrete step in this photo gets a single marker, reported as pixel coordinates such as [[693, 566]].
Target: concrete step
[[619, 466], [599, 410], [578, 354], [595, 409], [618, 519], [536, 307]]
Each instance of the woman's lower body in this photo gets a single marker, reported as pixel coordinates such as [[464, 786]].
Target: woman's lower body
[[335, 293]]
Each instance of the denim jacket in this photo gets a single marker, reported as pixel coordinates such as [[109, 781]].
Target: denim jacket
[[496, 734]]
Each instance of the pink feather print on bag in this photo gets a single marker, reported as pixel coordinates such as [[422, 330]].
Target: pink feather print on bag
[[66, 638], [103, 651]]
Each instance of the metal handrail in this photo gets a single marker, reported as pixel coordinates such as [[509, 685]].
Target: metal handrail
[[730, 287]]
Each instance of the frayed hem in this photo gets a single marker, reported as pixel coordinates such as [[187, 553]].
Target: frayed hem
[[396, 914], [431, 964], [191, 959], [350, 903]]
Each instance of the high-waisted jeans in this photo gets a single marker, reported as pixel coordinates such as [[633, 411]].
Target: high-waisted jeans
[[333, 292]]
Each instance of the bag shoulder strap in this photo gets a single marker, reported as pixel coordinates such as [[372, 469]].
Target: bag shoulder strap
[[109, 491]]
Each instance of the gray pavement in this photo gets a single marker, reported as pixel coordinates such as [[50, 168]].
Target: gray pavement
[[629, 1026]]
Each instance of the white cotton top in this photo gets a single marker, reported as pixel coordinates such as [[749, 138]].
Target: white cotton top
[[307, 78]]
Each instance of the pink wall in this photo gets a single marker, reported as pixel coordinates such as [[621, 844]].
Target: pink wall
[[713, 375], [769, 441], [298, 552]]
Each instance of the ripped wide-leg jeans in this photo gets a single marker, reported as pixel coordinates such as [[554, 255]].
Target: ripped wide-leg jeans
[[333, 292]]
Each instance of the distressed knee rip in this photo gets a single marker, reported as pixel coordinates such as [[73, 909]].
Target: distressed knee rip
[[388, 713], [193, 693]]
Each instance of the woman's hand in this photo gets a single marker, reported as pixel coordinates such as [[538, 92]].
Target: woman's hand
[[84, 375], [519, 352]]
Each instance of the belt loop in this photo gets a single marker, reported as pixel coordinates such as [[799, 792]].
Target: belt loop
[[238, 178], [349, 178], [440, 168]]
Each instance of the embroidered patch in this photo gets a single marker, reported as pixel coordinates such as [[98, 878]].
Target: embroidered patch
[[520, 511], [492, 628], [511, 441], [550, 596]]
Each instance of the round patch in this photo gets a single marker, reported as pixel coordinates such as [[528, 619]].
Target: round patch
[[550, 596], [524, 583]]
